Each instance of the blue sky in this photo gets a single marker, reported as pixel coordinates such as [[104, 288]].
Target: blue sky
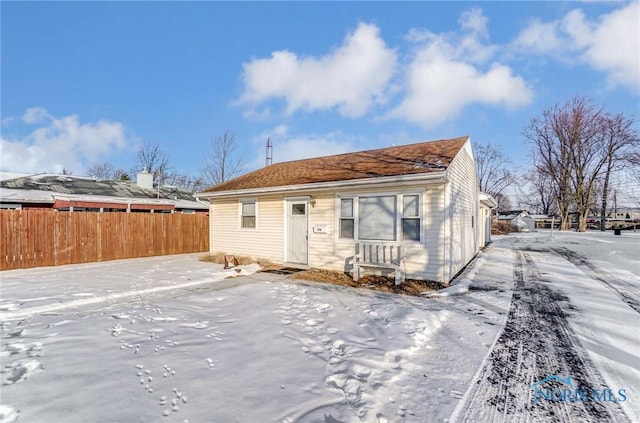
[[84, 82]]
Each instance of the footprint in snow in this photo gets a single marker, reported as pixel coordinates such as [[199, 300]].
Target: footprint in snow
[[21, 370], [16, 333], [115, 330]]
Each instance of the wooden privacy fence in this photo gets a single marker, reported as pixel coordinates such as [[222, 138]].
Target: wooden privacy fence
[[33, 238]]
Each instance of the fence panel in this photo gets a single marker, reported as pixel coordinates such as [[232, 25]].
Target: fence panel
[[33, 238]]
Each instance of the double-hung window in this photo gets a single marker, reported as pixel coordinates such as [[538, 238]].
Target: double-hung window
[[389, 217], [346, 219], [411, 217], [248, 214]]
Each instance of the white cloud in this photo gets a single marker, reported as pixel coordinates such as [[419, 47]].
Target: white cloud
[[351, 78], [288, 146], [35, 115], [610, 44], [540, 38], [449, 72], [60, 143]]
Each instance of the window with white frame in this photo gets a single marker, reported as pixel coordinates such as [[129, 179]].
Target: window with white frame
[[248, 214], [389, 217], [377, 218], [347, 221], [411, 217]]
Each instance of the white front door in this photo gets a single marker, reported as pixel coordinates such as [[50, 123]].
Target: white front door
[[297, 227]]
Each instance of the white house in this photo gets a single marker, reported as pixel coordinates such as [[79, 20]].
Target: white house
[[314, 213], [487, 203], [520, 220]]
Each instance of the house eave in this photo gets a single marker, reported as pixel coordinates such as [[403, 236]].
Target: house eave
[[432, 178], [487, 200]]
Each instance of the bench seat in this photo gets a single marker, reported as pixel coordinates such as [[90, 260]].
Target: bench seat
[[379, 255]]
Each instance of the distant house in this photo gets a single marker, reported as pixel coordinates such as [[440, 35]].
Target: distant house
[[317, 212], [520, 220], [75, 193], [487, 204]]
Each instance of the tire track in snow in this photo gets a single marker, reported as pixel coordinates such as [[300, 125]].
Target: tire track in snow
[[536, 342], [579, 260]]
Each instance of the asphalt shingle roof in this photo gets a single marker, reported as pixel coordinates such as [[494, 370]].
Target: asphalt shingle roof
[[425, 157]]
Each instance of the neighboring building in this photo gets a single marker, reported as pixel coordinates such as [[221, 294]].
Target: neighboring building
[[74, 193], [520, 220], [312, 213], [487, 204], [620, 218], [543, 221], [624, 215]]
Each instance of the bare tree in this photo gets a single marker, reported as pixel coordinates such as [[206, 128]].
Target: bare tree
[[106, 170], [634, 176], [494, 169], [621, 142], [221, 164], [152, 159], [541, 194], [570, 144], [503, 201], [184, 182], [551, 152]]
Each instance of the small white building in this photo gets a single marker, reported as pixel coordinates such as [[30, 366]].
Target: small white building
[[487, 204], [313, 213], [523, 222]]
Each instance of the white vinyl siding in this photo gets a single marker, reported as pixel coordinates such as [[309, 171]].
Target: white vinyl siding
[[462, 205], [264, 241], [326, 249]]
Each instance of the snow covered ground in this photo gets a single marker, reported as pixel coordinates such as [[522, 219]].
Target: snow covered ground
[[172, 339]]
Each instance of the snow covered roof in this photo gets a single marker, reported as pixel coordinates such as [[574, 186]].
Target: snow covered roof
[[5, 176], [47, 188], [25, 196], [512, 214]]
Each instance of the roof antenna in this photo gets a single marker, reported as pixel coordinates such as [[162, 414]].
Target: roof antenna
[[269, 158]]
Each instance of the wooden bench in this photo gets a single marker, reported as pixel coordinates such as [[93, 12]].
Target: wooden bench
[[380, 255]]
